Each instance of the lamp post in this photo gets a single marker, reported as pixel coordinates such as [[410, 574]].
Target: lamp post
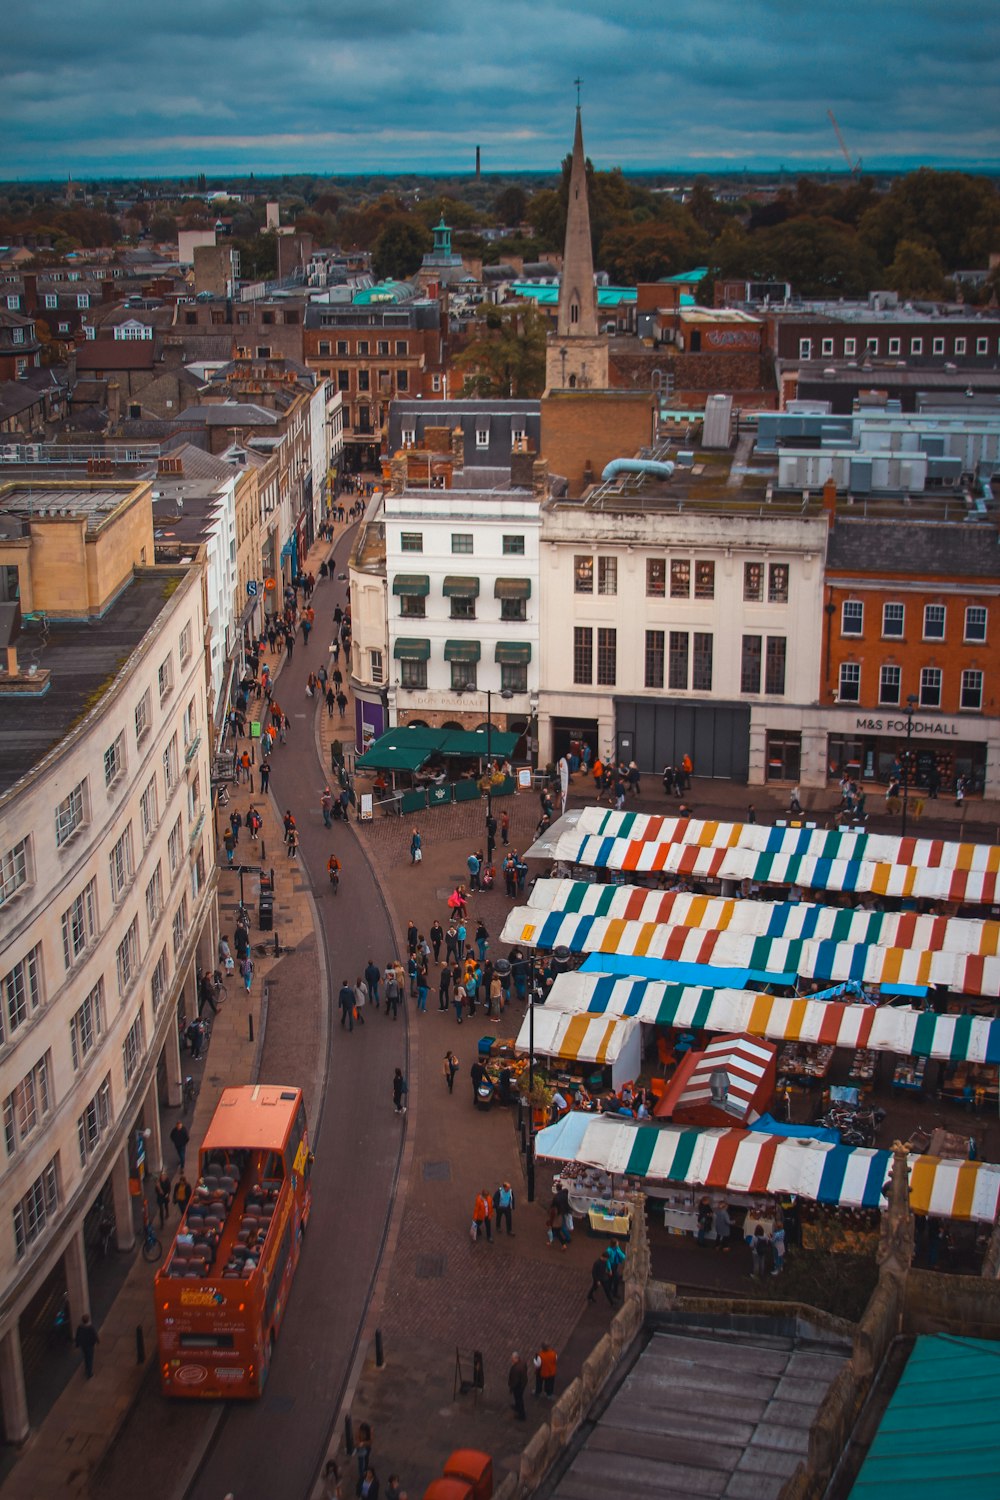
[[529, 1163], [504, 693], [911, 703]]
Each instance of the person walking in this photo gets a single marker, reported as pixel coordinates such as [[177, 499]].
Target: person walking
[[179, 1136], [265, 777], [444, 986], [360, 999], [437, 938], [391, 992], [346, 1002], [600, 1277], [372, 976], [545, 1362], [162, 1186], [416, 853], [503, 1204], [505, 828], [517, 1382], [778, 1250], [758, 1252], [399, 1091], [723, 1225], [422, 989], [615, 1256], [482, 1216], [326, 806], [246, 969], [450, 1069], [86, 1341]]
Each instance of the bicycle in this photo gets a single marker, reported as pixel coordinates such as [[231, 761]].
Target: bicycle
[[241, 916], [151, 1247], [106, 1231], [221, 993], [190, 1093]]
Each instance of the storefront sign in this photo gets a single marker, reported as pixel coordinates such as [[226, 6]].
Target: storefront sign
[[898, 726]]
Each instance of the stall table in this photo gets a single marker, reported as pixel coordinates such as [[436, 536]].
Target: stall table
[[909, 1074], [863, 1066], [804, 1062], [972, 1083]]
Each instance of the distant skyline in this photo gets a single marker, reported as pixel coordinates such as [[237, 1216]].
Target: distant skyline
[[97, 89]]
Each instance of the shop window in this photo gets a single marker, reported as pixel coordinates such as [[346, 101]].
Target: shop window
[[852, 617], [972, 690], [934, 618], [656, 578], [607, 657], [680, 578], [889, 681], [654, 658], [777, 583], [679, 645], [701, 668], [607, 575], [750, 664], [583, 575], [583, 654], [849, 690], [704, 579], [774, 674], [893, 618], [930, 687], [975, 622], [753, 582], [412, 674], [784, 756]]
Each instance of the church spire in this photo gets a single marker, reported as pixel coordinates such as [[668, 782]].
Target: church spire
[[577, 298]]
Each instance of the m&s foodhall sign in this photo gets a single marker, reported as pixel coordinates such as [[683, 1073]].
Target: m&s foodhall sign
[[898, 726]]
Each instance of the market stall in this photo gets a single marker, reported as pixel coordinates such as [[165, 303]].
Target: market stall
[[728, 1083], [752, 1162], [600, 1051], [898, 1029]]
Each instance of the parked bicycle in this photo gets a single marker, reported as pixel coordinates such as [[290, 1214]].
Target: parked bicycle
[[151, 1247], [189, 1093]]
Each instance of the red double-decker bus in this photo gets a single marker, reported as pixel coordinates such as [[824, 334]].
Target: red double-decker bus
[[222, 1291]]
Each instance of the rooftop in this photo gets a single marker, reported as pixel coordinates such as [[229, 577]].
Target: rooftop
[[83, 660], [21, 501], [928, 547]]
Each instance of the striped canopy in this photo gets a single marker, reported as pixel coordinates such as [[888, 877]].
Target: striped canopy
[[749, 1070], [577, 1038], [802, 938], [780, 1018], [932, 869], [749, 1162]]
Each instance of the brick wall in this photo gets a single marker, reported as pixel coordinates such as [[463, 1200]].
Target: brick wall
[[584, 430]]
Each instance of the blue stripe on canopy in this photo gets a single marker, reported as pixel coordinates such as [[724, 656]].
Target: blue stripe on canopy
[[673, 972]]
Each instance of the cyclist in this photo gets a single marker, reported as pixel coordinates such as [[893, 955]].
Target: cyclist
[[333, 870]]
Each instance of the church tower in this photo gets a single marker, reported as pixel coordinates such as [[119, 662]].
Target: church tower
[[576, 355]]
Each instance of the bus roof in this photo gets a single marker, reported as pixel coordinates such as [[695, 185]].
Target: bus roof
[[257, 1116]]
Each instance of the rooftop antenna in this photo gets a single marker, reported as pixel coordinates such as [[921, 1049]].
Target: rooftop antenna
[[577, 83]]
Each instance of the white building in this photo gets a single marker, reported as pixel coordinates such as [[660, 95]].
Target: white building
[[673, 625], [106, 879]]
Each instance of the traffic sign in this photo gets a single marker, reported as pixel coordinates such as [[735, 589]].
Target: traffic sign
[[252, 588], [270, 585]]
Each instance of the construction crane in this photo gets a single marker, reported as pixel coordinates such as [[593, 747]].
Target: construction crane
[[854, 167]]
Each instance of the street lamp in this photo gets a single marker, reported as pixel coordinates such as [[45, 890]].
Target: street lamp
[[504, 693], [529, 1162], [911, 703]]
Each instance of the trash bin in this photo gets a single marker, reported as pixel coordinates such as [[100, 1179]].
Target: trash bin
[[265, 913], [474, 1467]]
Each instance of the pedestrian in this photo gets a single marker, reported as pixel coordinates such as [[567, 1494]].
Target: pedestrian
[[723, 1225], [363, 1452], [545, 1363], [751, 814], [399, 1092], [368, 1488], [778, 1250], [422, 988], [86, 1341], [391, 992], [346, 1002], [416, 853], [475, 866], [326, 806], [179, 1136], [229, 844], [235, 823], [705, 1218], [517, 1381], [246, 969], [444, 986], [482, 940], [372, 976], [292, 841], [450, 1069], [265, 777], [460, 940], [451, 943], [505, 828], [182, 1194], [437, 938], [482, 1216], [503, 1203], [394, 1491], [412, 936], [360, 999], [162, 1186], [342, 703], [758, 1252], [615, 1256], [600, 1277]]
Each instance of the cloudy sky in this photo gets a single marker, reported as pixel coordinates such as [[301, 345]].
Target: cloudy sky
[[98, 87]]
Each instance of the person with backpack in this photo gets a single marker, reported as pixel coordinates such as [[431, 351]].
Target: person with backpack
[[503, 1206], [399, 1092], [391, 992]]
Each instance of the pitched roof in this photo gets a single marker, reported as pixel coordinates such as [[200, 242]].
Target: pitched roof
[[115, 354], [927, 548]]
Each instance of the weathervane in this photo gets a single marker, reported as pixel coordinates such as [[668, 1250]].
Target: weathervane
[[577, 82]]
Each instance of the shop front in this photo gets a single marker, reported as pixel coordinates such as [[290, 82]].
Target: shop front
[[876, 747]]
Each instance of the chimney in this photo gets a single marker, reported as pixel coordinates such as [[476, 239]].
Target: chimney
[[830, 501], [30, 280], [114, 403], [478, 162]]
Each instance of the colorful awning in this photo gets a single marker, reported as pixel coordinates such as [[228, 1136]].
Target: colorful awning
[[883, 864], [898, 948], [830, 1023], [746, 1161], [577, 1038]]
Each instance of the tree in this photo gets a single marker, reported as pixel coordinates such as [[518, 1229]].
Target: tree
[[507, 359], [916, 270], [820, 257], [647, 252], [400, 248], [510, 206]]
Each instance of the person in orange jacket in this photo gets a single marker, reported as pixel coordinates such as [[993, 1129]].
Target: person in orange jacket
[[482, 1216], [545, 1363]]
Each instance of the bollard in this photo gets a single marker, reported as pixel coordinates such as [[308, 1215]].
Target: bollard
[[140, 1345], [524, 1136], [348, 1434], [531, 1176], [250, 1025], [379, 1351], [263, 851], [277, 947]]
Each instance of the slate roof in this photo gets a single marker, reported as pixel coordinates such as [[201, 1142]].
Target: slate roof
[[928, 548], [115, 354]]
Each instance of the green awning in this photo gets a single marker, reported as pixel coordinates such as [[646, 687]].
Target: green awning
[[462, 650], [411, 648], [460, 588], [512, 588], [513, 653], [411, 583], [470, 742], [401, 749]]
